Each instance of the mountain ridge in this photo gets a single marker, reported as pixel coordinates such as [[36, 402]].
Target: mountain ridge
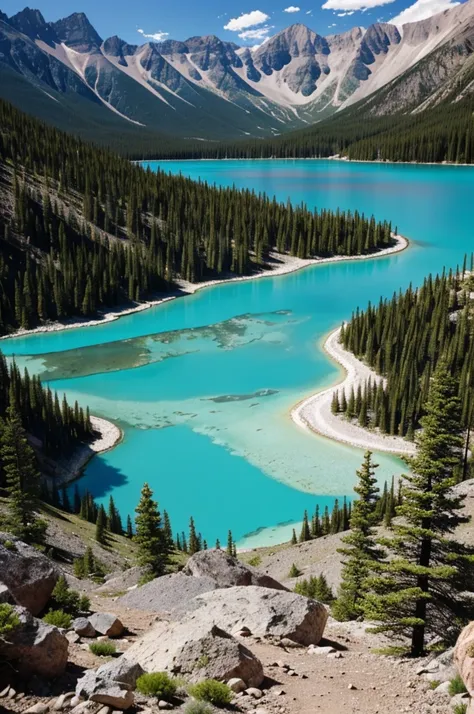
[[208, 88]]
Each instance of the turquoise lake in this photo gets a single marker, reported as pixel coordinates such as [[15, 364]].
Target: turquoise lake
[[203, 386]]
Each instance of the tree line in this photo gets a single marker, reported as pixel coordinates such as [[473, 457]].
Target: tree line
[[404, 339], [89, 229], [443, 133]]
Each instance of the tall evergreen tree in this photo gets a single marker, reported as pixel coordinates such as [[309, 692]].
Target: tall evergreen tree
[[360, 551], [420, 588], [149, 535], [22, 481]]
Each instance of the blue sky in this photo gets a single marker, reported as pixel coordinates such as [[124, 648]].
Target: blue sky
[[244, 22]]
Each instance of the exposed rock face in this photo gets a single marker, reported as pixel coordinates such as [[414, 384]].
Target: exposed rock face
[[264, 611], [464, 657], [29, 575], [35, 647], [118, 582], [112, 684], [198, 650], [106, 624], [227, 571], [168, 594], [77, 32]]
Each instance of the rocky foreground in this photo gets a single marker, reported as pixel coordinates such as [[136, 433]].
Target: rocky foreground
[[279, 652]]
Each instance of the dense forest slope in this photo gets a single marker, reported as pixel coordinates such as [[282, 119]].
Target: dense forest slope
[[404, 339], [82, 228]]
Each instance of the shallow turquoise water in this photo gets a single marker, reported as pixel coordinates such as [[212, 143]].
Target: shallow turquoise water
[[203, 385]]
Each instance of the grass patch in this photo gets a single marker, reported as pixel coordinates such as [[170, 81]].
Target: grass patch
[[197, 707], [103, 649], [255, 561], [212, 691], [157, 684], [456, 686], [460, 708], [391, 651], [434, 684]]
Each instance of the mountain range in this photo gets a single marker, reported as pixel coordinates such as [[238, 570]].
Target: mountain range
[[205, 88]]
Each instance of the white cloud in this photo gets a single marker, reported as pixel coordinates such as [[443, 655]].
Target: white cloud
[[345, 14], [259, 33], [422, 9], [354, 4], [156, 36], [308, 12], [249, 19], [292, 8]]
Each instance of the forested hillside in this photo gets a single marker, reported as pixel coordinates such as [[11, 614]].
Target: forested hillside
[[83, 228], [445, 133], [405, 339]]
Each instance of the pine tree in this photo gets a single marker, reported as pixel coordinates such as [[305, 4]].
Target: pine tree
[[193, 541], [230, 544], [100, 526], [22, 481], [420, 589], [152, 548], [294, 539], [129, 527], [360, 551], [305, 530]]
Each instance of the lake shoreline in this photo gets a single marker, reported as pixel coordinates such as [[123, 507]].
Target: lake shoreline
[[108, 435], [315, 158], [314, 413], [285, 264]]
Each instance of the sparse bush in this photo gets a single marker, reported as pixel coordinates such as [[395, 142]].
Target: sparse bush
[[255, 561], [88, 566], [194, 706], [9, 620], [460, 708], [146, 578], [212, 691], [295, 572], [202, 662], [69, 601], [9, 545], [58, 618], [103, 649], [434, 684], [157, 684], [456, 686]]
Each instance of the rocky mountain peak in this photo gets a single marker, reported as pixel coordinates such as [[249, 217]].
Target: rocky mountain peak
[[116, 47], [31, 23], [77, 32]]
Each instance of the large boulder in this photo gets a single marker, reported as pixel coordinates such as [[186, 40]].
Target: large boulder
[[112, 684], [105, 623], [28, 574], [197, 650], [264, 611], [227, 571], [119, 582], [464, 657], [35, 647], [168, 594]]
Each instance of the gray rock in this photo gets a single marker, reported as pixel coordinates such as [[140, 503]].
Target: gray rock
[[443, 688], [254, 692], [168, 594], [227, 571], [237, 685], [119, 582], [35, 647], [265, 611], [28, 574], [111, 684], [105, 623], [5, 595], [83, 627], [197, 650]]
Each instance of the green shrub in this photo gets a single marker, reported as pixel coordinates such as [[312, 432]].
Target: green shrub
[[317, 589], [157, 684], [88, 566], [212, 691], [434, 683], [295, 572], [460, 708], [9, 545], [196, 707], [255, 561], [58, 618], [70, 601], [456, 686], [103, 649], [9, 620]]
